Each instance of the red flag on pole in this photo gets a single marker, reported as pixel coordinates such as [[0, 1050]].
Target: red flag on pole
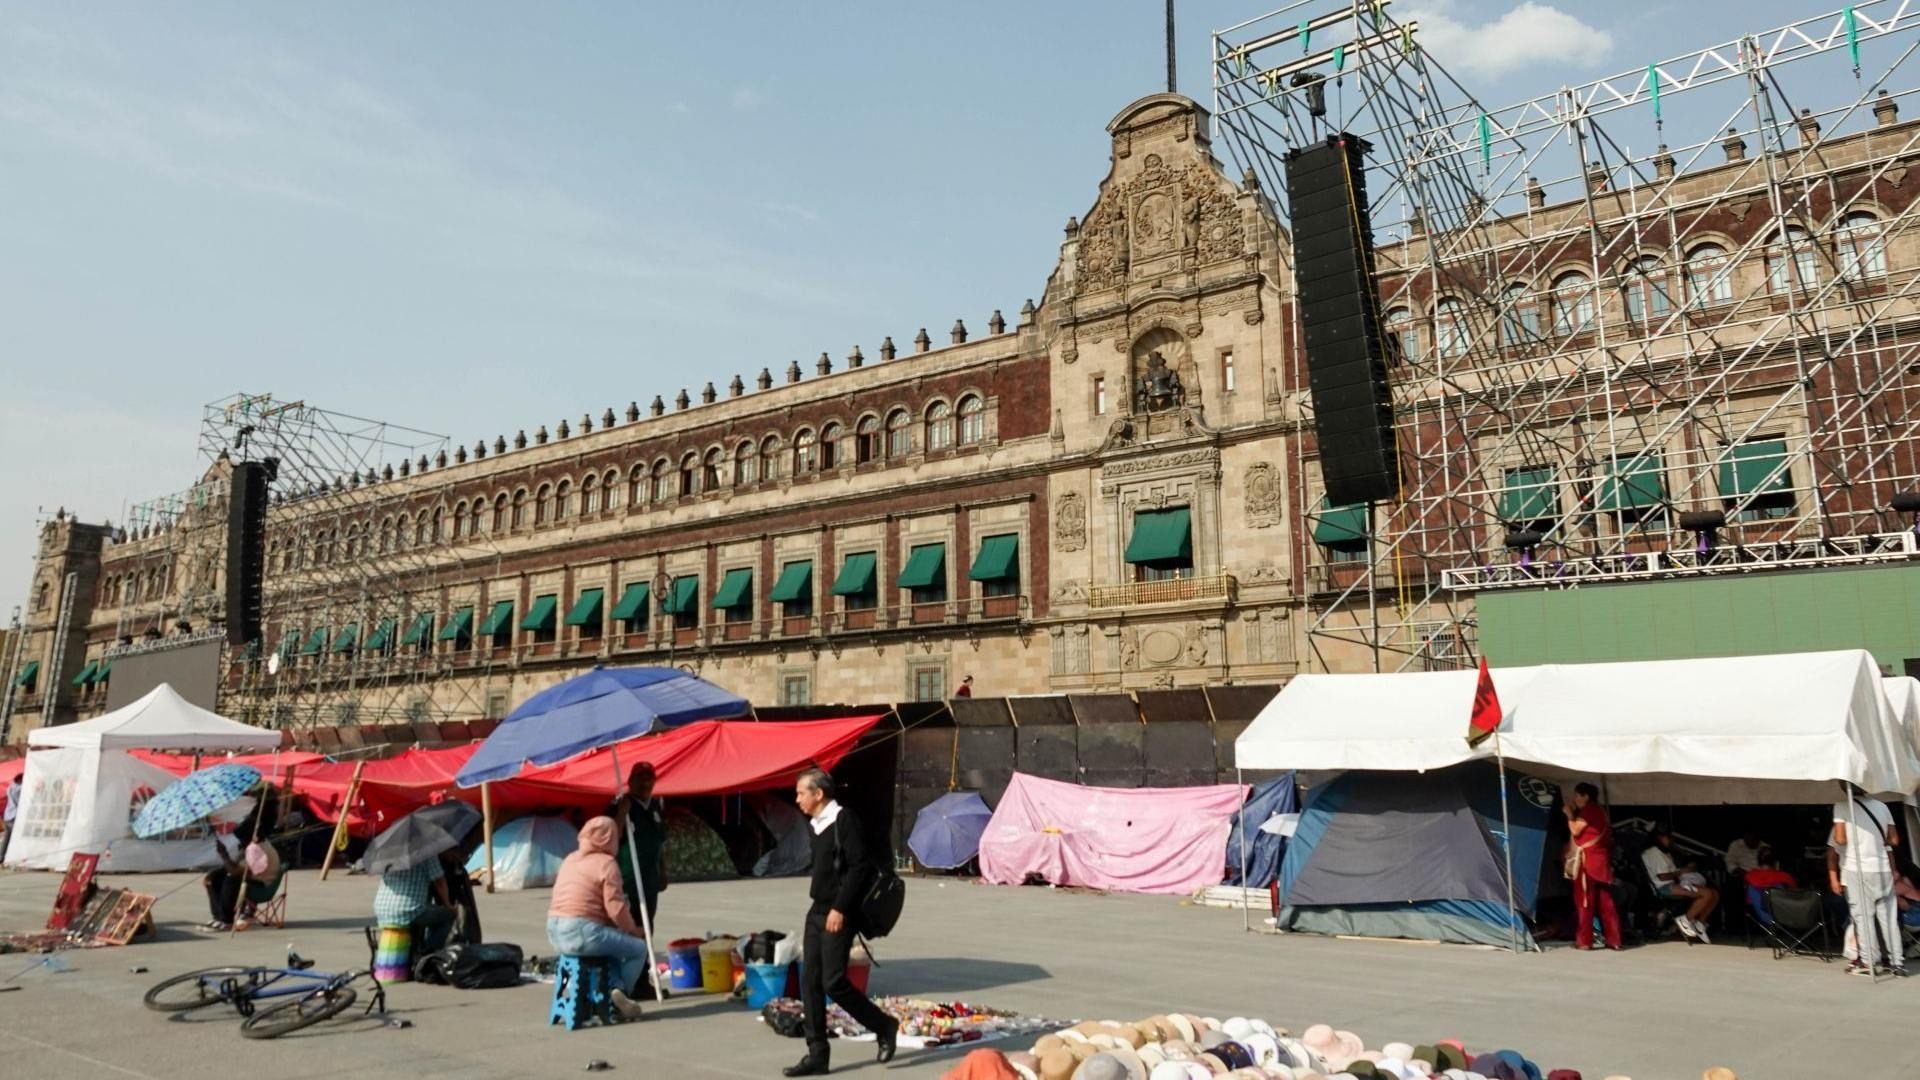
[[1486, 708]]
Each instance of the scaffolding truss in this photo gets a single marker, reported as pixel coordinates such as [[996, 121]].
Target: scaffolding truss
[[1598, 341], [359, 547]]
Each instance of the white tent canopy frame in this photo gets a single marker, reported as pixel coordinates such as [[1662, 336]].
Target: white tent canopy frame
[[1782, 729], [82, 785]]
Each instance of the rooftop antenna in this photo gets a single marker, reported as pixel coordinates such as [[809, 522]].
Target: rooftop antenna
[[1172, 84]]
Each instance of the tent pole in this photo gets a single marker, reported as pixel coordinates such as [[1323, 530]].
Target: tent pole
[[639, 882], [486, 826], [1506, 844], [259, 815], [339, 840], [1246, 917]]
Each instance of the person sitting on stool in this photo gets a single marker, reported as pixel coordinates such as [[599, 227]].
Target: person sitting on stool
[[842, 874]]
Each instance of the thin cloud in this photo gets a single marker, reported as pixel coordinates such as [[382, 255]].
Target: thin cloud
[[745, 98], [1528, 35]]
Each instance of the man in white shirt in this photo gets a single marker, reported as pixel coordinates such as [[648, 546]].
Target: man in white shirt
[[1672, 880], [1744, 854], [1860, 869]]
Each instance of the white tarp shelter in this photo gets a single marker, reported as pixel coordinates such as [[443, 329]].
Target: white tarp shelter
[[82, 786], [1747, 729]]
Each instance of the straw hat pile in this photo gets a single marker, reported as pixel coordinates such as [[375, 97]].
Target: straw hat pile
[[1181, 1046]]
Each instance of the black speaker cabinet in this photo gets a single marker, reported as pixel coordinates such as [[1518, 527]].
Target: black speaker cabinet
[[246, 550]]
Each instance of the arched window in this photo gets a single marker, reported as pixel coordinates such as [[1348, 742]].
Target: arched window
[[1572, 303], [973, 422], [637, 486], [690, 474], [459, 520], [1519, 317], [610, 490], [543, 505], [1449, 328], [1403, 338], [353, 542], [899, 434], [500, 512], [562, 495], [520, 508], [385, 539], [1709, 276], [589, 494], [770, 458], [866, 439], [829, 446], [1861, 247], [939, 426], [1790, 261], [803, 453], [1648, 294], [437, 525], [745, 464], [662, 480], [710, 473]]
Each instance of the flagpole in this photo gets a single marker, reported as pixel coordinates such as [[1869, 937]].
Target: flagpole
[[1506, 843]]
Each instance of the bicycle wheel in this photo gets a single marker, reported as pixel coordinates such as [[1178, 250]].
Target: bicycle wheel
[[193, 990], [309, 1008]]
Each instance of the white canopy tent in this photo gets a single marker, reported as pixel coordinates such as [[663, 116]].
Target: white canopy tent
[[1749, 729], [82, 786]]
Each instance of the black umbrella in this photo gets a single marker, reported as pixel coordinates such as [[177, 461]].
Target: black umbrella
[[420, 836]]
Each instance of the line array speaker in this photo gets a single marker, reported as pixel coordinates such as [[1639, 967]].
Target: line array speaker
[[246, 549], [1339, 310]]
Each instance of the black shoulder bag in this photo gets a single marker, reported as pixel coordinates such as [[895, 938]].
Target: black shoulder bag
[[880, 907]]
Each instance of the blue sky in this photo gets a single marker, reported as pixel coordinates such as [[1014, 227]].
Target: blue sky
[[474, 218]]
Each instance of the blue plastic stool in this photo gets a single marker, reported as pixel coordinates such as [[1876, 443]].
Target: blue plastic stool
[[582, 991]]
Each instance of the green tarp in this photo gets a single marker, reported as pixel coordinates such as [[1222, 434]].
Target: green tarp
[[999, 559], [633, 602], [540, 617], [926, 567], [586, 609], [796, 582], [458, 626], [856, 575], [1160, 536], [735, 589], [418, 630]]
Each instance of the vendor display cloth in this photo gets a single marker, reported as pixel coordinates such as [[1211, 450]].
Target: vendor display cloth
[[1144, 840]]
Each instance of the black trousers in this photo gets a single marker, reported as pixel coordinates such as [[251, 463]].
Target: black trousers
[[223, 893], [823, 972]]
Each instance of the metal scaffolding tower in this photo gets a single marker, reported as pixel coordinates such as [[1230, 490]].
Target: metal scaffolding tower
[[1658, 324]]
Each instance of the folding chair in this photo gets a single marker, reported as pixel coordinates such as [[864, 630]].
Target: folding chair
[[1790, 918]]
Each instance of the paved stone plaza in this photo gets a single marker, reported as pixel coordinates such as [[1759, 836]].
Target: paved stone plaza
[[1658, 1013]]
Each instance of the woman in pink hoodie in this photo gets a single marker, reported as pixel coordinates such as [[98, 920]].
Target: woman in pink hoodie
[[588, 915]]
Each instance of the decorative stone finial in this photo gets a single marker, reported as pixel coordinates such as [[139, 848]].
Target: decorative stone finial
[[996, 324], [633, 412], [520, 439], [1249, 180], [1026, 312], [459, 455], [606, 418], [921, 342], [737, 387], [959, 332], [824, 365], [1809, 127], [1735, 146], [1073, 226], [540, 436], [657, 407], [681, 400], [386, 471], [793, 372], [479, 449], [1536, 195], [887, 351], [586, 423], [562, 431], [1886, 111], [355, 481], [500, 444], [440, 459], [707, 394], [854, 359], [1663, 163], [406, 468], [764, 380]]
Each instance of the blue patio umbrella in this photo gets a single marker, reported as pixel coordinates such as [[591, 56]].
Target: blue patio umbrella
[[193, 798], [602, 707], [946, 834]]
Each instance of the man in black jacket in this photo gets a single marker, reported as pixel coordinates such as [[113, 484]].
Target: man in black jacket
[[842, 874]]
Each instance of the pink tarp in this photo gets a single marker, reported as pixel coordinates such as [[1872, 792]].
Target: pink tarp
[[1141, 840]]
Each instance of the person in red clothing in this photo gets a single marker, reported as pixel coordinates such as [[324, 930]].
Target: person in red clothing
[[1768, 874], [1589, 865]]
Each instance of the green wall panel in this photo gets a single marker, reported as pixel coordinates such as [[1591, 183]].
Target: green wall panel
[[1876, 608]]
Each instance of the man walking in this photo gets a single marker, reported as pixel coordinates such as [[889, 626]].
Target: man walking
[[842, 874], [1860, 869]]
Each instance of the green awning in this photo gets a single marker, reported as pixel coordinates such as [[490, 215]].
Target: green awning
[[1341, 526], [856, 575], [633, 602], [382, 635], [86, 673], [1160, 536], [27, 673], [499, 620], [290, 645], [316, 643], [1529, 496], [1745, 469], [796, 583], [540, 616], [418, 629], [1631, 484], [459, 626], [347, 638], [999, 559], [685, 595], [586, 609], [100, 673], [926, 566], [735, 589]]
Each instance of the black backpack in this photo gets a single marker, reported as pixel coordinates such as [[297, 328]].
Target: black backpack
[[471, 967], [879, 909]]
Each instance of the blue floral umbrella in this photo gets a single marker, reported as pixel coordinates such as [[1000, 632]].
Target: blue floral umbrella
[[193, 798]]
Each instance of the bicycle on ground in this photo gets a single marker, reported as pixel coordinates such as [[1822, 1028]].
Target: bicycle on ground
[[272, 1001]]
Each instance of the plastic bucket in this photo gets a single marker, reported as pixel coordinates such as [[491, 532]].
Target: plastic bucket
[[393, 954], [764, 983], [859, 969], [716, 965], [683, 965]]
